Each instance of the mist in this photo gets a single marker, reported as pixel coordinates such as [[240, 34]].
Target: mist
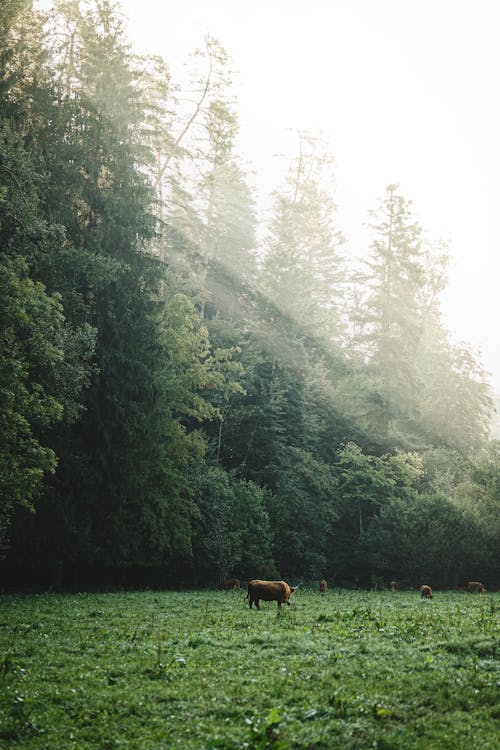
[[403, 93]]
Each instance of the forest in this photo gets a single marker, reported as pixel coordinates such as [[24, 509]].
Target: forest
[[189, 392]]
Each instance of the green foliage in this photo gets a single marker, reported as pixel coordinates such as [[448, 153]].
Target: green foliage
[[31, 352], [366, 484], [121, 493], [377, 479], [232, 533], [426, 538], [479, 497], [303, 512]]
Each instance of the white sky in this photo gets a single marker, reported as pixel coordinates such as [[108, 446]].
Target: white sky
[[406, 91]]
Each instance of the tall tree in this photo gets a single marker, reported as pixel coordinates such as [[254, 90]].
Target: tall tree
[[115, 498], [303, 272], [394, 322], [229, 241], [44, 361]]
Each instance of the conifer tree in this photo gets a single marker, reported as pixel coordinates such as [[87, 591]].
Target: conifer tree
[[395, 279], [303, 272]]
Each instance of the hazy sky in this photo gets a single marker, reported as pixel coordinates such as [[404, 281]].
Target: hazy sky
[[406, 91]]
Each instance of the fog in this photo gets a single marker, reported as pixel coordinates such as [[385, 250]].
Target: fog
[[405, 92]]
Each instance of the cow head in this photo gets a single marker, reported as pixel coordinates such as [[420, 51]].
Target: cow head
[[292, 589]]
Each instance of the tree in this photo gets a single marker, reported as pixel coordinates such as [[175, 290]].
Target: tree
[[303, 511], [393, 329], [365, 484], [303, 276], [31, 351], [478, 495], [206, 208], [110, 501], [45, 362], [424, 538], [455, 402], [232, 533], [210, 237]]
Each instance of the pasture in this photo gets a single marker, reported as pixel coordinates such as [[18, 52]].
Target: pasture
[[199, 670]]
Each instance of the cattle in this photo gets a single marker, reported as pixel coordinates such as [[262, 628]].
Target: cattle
[[269, 591], [229, 583], [475, 587], [323, 585], [393, 585], [426, 592]]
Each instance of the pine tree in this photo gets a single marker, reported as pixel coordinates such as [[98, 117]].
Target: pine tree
[[303, 272], [395, 278]]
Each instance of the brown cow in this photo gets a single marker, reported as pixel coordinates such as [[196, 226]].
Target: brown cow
[[229, 583], [393, 585], [426, 592], [323, 586], [269, 591], [475, 587]]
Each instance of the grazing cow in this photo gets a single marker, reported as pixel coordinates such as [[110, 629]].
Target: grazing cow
[[323, 586], [475, 587], [229, 583], [393, 585], [426, 592], [269, 591]]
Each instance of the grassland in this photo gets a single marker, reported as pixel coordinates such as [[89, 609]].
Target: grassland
[[158, 670]]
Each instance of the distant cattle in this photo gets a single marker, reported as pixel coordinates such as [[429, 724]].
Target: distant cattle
[[269, 591], [323, 586], [393, 585], [426, 592], [475, 587], [229, 583]]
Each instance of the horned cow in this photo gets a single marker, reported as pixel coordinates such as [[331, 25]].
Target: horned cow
[[426, 592], [323, 586], [475, 587], [269, 591], [393, 585]]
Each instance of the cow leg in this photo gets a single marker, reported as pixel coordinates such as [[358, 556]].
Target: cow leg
[[279, 604], [257, 604]]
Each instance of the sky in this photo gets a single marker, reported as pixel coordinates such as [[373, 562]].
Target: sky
[[405, 91]]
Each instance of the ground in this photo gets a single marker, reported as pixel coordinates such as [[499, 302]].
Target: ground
[[199, 670]]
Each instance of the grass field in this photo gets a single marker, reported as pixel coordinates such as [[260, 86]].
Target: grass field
[[151, 670]]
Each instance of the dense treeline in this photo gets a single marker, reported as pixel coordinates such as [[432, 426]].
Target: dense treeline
[[184, 398]]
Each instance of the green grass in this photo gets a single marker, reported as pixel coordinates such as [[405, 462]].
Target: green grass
[[158, 670]]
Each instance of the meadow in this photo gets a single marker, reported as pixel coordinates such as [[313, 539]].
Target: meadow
[[155, 670]]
